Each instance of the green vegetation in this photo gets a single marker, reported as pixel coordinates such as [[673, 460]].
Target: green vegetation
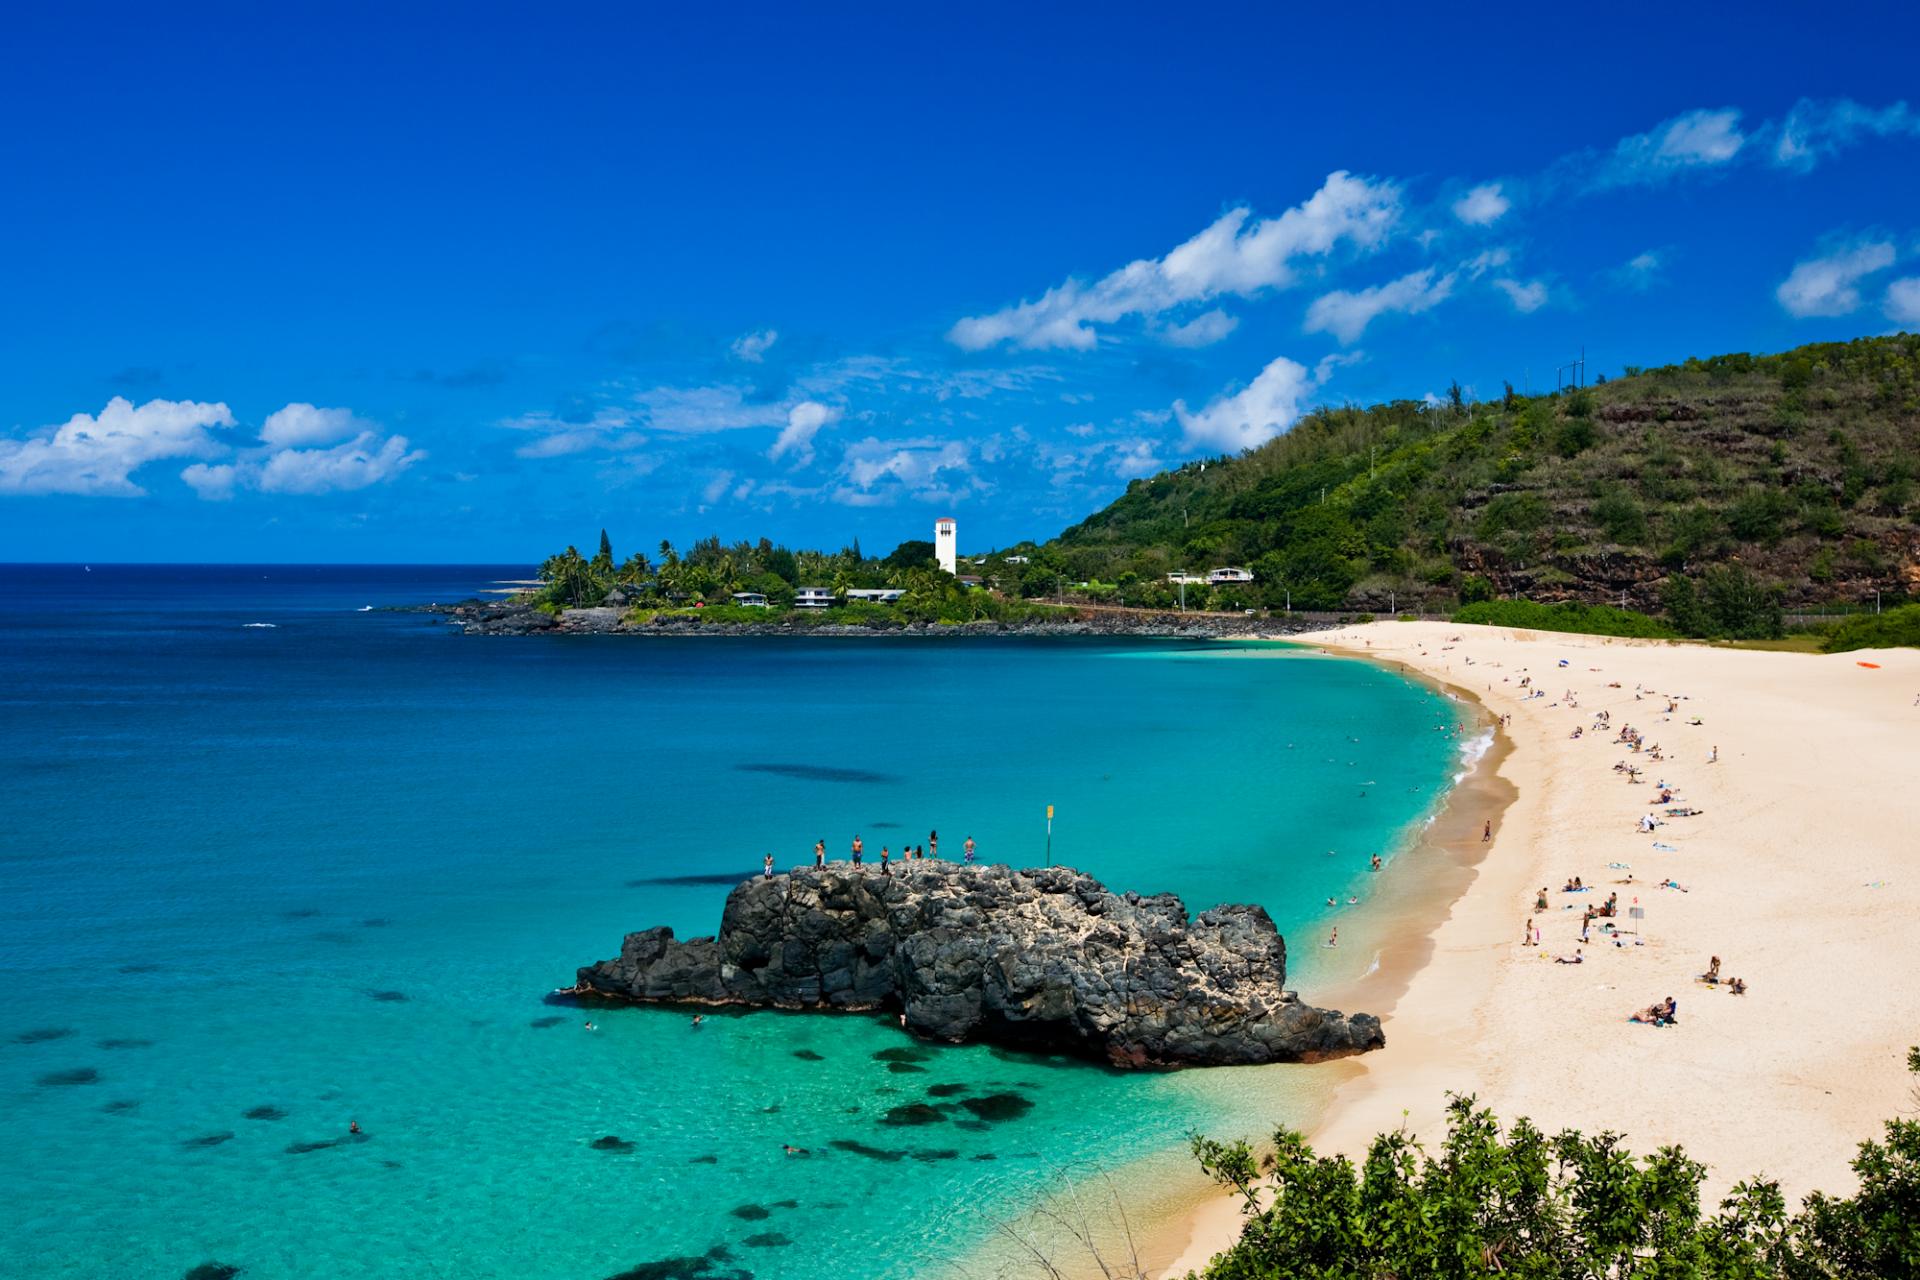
[[1594, 620], [701, 584], [1717, 493], [1567, 1207], [1887, 630]]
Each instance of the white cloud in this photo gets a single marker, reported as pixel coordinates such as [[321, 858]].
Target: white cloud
[[560, 444], [365, 460], [1813, 130], [1701, 139], [1483, 206], [1481, 263], [1136, 458], [1527, 296], [1203, 330], [1235, 256], [915, 464], [716, 486], [300, 424], [1266, 407], [1903, 301], [1825, 286], [697, 410], [752, 347], [803, 420], [1346, 315], [213, 482], [98, 455], [1642, 271]]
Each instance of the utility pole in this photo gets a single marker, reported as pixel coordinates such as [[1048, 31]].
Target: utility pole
[[1370, 452]]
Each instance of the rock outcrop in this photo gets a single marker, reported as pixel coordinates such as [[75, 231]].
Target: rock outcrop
[[1044, 959]]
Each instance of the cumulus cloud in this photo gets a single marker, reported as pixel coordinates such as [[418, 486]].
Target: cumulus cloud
[[803, 421], [1827, 285], [212, 481], [1527, 296], [752, 347], [1642, 271], [1238, 255], [559, 444], [697, 410], [98, 454], [1203, 330], [1346, 314], [1694, 140], [880, 469], [1135, 458], [301, 424], [367, 459], [1266, 407], [1903, 302], [1483, 206], [1814, 131]]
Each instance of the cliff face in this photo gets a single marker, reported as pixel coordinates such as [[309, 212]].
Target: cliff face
[[1043, 959]]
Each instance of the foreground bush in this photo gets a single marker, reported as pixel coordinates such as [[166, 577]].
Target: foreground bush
[[1892, 629], [1568, 1207]]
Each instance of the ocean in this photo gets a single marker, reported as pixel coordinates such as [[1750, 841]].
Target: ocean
[[275, 860]]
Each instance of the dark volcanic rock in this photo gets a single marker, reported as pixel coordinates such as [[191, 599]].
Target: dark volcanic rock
[[1039, 959]]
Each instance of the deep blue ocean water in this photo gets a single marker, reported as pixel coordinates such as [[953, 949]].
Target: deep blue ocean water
[[261, 881]]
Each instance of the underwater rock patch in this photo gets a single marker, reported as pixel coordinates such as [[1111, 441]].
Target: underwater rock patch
[[42, 1035], [854, 1147], [705, 1266], [552, 1020], [123, 1043], [121, 1106], [611, 1142], [385, 997], [751, 1212], [913, 1113], [998, 1107], [766, 1240], [808, 1055], [212, 1271], [817, 772], [265, 1111], [70, 1077], [208, 1140], [947, 1090]]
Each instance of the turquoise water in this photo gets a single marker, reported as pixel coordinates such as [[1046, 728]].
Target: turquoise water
[[259, 882]]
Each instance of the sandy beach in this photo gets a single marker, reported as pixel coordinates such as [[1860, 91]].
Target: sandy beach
[[1799, 870]]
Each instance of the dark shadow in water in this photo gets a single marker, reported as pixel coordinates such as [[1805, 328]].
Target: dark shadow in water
[[720, 877], [378, 922], [302, 1148], [808, 1055], [121, 1106], [884, 826], [948, 1090], [906, 1069], [300, 913], [706, 1266], [145, 966], [71, 1076], [862, 1149], [902, 1054], [212, 1271], [818, 772], [766, 1240], [125, 1044], [704, 1160], [208, 1140], [265, 1111], [751, 1212], [997, 1107], [551, 1020], [385, 997], [40, 1035], [612, 1142], [911, 1113], [944, 1153]]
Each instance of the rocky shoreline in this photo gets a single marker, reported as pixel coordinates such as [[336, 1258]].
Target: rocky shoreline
[[1045, 959], [513, 618]]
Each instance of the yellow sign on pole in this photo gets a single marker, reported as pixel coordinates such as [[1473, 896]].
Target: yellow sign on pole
[[1049, 813]]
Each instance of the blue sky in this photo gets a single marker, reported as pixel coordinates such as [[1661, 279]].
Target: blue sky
[[466, 283]]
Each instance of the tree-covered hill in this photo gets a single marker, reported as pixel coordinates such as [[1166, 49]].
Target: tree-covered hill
[[1718, 485]]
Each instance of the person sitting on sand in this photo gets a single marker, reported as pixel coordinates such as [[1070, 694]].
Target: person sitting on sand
[[1540, 903], [1576, 958], [1712, 974], [1737, 985]]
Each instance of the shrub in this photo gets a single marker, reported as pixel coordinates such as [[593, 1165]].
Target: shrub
[[1896, 628]]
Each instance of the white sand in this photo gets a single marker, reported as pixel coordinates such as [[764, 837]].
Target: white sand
[[1803, 875]]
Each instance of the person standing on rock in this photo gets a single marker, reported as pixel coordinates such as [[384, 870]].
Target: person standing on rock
[[769, 867], [857, 847], [820, 852], [933, 843], [885, 857], [969, 847]]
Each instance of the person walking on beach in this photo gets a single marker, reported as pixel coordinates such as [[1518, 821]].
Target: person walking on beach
[[969, 848], [1715, 757], [1486, 833], [857, 847], [820, 852], [768, 873]]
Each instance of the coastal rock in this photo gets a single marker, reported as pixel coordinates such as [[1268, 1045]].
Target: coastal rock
[[1045, 959]]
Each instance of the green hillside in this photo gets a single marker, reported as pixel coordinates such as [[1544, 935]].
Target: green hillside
[[1697, 491]]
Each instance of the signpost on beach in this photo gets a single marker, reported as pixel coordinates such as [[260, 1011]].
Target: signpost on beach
[[1049, 835]]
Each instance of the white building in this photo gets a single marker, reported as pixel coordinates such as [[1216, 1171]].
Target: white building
[[1181, 577], [1230, 574], [946, 544], [813, 598], [879, 595], [751, 599]]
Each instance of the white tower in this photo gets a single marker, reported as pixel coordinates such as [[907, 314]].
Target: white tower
[[946, 544]]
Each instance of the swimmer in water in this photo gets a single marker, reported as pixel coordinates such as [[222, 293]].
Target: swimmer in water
[[591, 1027], [353, 1126], [698, 1018], [1333, 939]]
